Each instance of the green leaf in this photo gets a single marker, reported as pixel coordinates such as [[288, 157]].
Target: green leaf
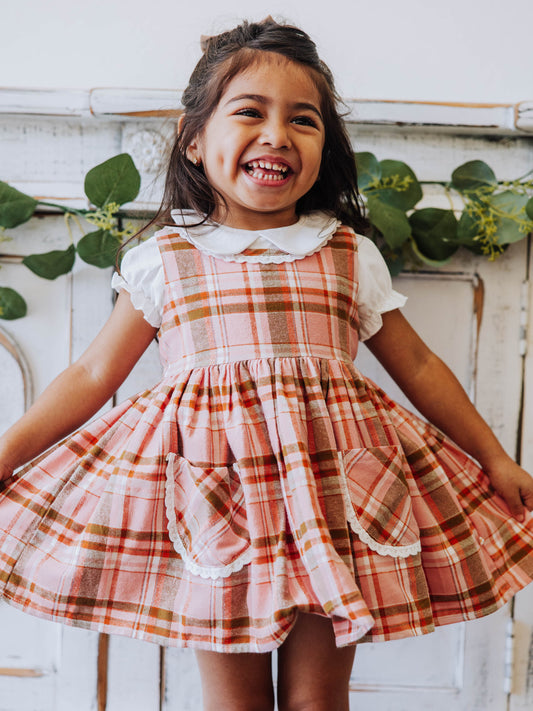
[[398, 185], [468, 229], [435, 233], [428, 260], [12, 305], [513, 204], [390, 221], [99, 248], [506, 226], [368, 170], [50, 265], [15, 207], [115, 180], [529, 208], [473, 175]]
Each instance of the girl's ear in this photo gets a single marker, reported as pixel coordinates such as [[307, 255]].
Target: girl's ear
[[193, 153], [193, 149]]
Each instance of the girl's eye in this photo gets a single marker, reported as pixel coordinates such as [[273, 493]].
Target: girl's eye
[[305, 121], [252, 113]]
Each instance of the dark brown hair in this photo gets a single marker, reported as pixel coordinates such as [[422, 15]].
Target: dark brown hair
[[224, 56]]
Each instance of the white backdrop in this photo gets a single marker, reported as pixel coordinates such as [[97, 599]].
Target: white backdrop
[[457, 50]]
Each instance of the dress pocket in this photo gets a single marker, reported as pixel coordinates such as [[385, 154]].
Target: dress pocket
[[378, 504], [207, 520]]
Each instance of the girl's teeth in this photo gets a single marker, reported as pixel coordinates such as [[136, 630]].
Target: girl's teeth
[[259, 175], [256, 168], [266, 165]]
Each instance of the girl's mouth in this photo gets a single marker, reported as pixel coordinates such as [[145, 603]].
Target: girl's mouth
[[268, 171]]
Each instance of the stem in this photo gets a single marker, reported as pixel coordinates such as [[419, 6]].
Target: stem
[[529, 172], [64, 208], [11, 257], [448, 195], [71, 216]]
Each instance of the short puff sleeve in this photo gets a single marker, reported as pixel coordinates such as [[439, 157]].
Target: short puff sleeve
[[376, 295], [141, 275]]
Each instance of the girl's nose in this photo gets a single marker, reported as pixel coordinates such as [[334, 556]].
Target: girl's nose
[[276, 134]]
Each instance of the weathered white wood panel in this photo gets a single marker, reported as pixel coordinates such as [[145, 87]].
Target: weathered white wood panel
[[44, 334], [76, 674], [522, 677], [457, 675], [182, 689], [134, 675], [113, 103], [17, 383]]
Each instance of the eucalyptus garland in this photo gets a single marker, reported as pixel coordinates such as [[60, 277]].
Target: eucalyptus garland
[[493, 215]]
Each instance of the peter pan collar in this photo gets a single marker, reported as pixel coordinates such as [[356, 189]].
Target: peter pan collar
[[295, 241]]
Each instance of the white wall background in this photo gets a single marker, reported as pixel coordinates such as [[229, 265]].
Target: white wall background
[[457, 50]]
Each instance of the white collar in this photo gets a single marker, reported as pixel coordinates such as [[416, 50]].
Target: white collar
[[296, 241]]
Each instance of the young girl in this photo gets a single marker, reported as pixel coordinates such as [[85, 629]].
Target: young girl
[[264, 494]]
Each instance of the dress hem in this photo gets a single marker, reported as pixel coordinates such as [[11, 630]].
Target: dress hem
[[268, 646]]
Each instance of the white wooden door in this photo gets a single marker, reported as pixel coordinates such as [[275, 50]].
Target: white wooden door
[[47, 667]]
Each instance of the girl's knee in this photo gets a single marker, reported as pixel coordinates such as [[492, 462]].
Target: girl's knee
[[236, 682], [314, 704], [253, 704]]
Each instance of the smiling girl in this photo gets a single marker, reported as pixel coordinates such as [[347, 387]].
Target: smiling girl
[[264, 494]]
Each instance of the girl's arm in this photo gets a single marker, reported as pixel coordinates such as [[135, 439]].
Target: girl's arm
[[437, 394], [80, 390]]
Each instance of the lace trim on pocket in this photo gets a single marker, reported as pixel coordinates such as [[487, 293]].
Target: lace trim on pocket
[[204, 571], [393, 551]]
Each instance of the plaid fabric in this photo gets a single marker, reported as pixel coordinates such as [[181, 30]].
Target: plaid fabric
[[263, 475]]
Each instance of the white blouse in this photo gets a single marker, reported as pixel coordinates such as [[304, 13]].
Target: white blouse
[[142, 267]]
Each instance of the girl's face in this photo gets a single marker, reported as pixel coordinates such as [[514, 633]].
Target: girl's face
[[262, 147]]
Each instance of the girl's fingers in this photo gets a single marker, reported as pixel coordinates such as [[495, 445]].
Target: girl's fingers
[[515, 486], [5, 473], [516, 506], [526, 493]]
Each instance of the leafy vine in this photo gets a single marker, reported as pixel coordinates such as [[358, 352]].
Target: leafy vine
[[108, 186], [494, 214]]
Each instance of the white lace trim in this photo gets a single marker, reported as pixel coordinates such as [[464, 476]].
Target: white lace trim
[[292, 242], [204, 571], [279, 258], [357, 528]]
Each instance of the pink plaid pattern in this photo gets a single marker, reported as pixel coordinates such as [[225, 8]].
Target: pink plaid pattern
[[263, 475]]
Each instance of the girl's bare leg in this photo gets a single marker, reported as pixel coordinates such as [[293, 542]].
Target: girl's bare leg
[[236, 682], [313, 673]]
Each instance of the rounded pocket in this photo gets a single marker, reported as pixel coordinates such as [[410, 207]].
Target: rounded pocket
[[207, 520], [379, 509]]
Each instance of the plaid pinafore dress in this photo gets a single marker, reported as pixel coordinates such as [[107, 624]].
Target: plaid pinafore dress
[[263, 475]]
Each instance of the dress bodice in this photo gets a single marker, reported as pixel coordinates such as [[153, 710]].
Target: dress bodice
[[221, 311]]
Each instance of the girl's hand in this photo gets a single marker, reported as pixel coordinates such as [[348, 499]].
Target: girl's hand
[[513, 484]]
